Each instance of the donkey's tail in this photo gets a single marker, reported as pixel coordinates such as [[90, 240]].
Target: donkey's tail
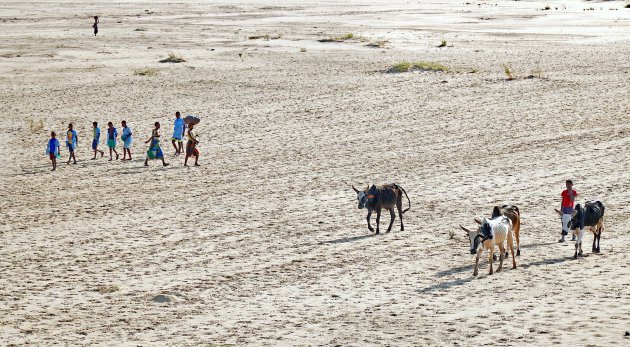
[[409, 201]]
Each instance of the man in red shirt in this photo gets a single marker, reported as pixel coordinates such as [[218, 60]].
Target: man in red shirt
[[566, 206]]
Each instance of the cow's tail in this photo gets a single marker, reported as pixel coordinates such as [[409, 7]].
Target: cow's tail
[[409, 201]]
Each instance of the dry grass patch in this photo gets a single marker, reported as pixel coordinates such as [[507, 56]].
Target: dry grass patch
[[149, 71], [405, 66], [507, 70], [35, 125], [108, 289], [377, 44], [265, 37], [342, 38], [173, 58]]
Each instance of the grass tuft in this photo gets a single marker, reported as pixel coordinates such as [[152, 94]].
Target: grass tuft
[[342, 38], [430, 66], [507, 70], [536, 73], [149, 71], [108, 289], [377, 44], [173, 58], [265, 37], [405, 66], [443, 43], [35, 125]]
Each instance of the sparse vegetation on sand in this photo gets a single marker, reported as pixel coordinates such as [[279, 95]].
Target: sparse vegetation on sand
[[108, 289], [173, 58], [405, 66], [265, 37], [35, 125], [149, 71], [377, 44], [507, 70], [536, 73], [443, 43], [627, 6], [342, 38], [302, 50]]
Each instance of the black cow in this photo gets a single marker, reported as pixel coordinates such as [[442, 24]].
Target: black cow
[[590, 216], [384, 197]]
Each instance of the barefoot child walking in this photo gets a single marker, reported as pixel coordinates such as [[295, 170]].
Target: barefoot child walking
[[154, 151], [112, 135], [127, 140], [71, 143], [191, 146], [96, 140], [178, 133], [53, 150]]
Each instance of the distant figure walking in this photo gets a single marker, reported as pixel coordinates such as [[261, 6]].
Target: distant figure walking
[[95, 25], [71, 143], [191, 146], [178, 133], [96, 140], [112, 135], [127, 140], [154, 151], [53, 150]]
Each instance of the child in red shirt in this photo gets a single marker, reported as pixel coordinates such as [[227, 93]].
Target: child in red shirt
[[566, 207]]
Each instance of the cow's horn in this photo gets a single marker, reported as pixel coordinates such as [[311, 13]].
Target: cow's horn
[[466, 230], [558, 211], [355, 189], [477, 220]]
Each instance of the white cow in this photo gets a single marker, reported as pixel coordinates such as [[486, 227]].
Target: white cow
[[491, 233]]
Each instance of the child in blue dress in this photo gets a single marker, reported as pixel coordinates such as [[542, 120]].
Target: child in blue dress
[[112, 135], [127, 140], [53, 150]]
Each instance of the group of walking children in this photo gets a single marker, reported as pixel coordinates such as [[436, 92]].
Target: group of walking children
[[153, 152]]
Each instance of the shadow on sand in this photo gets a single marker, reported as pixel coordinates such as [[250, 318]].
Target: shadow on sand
[[447, 285], [458, 282], [470, 267], [346, 239]]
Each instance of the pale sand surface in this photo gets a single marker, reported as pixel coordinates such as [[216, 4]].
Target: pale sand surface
[[263, 244]]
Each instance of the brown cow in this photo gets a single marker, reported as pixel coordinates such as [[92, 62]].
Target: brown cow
[[512, 212]]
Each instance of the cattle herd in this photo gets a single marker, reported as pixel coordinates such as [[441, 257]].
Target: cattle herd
[[503, 225]]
